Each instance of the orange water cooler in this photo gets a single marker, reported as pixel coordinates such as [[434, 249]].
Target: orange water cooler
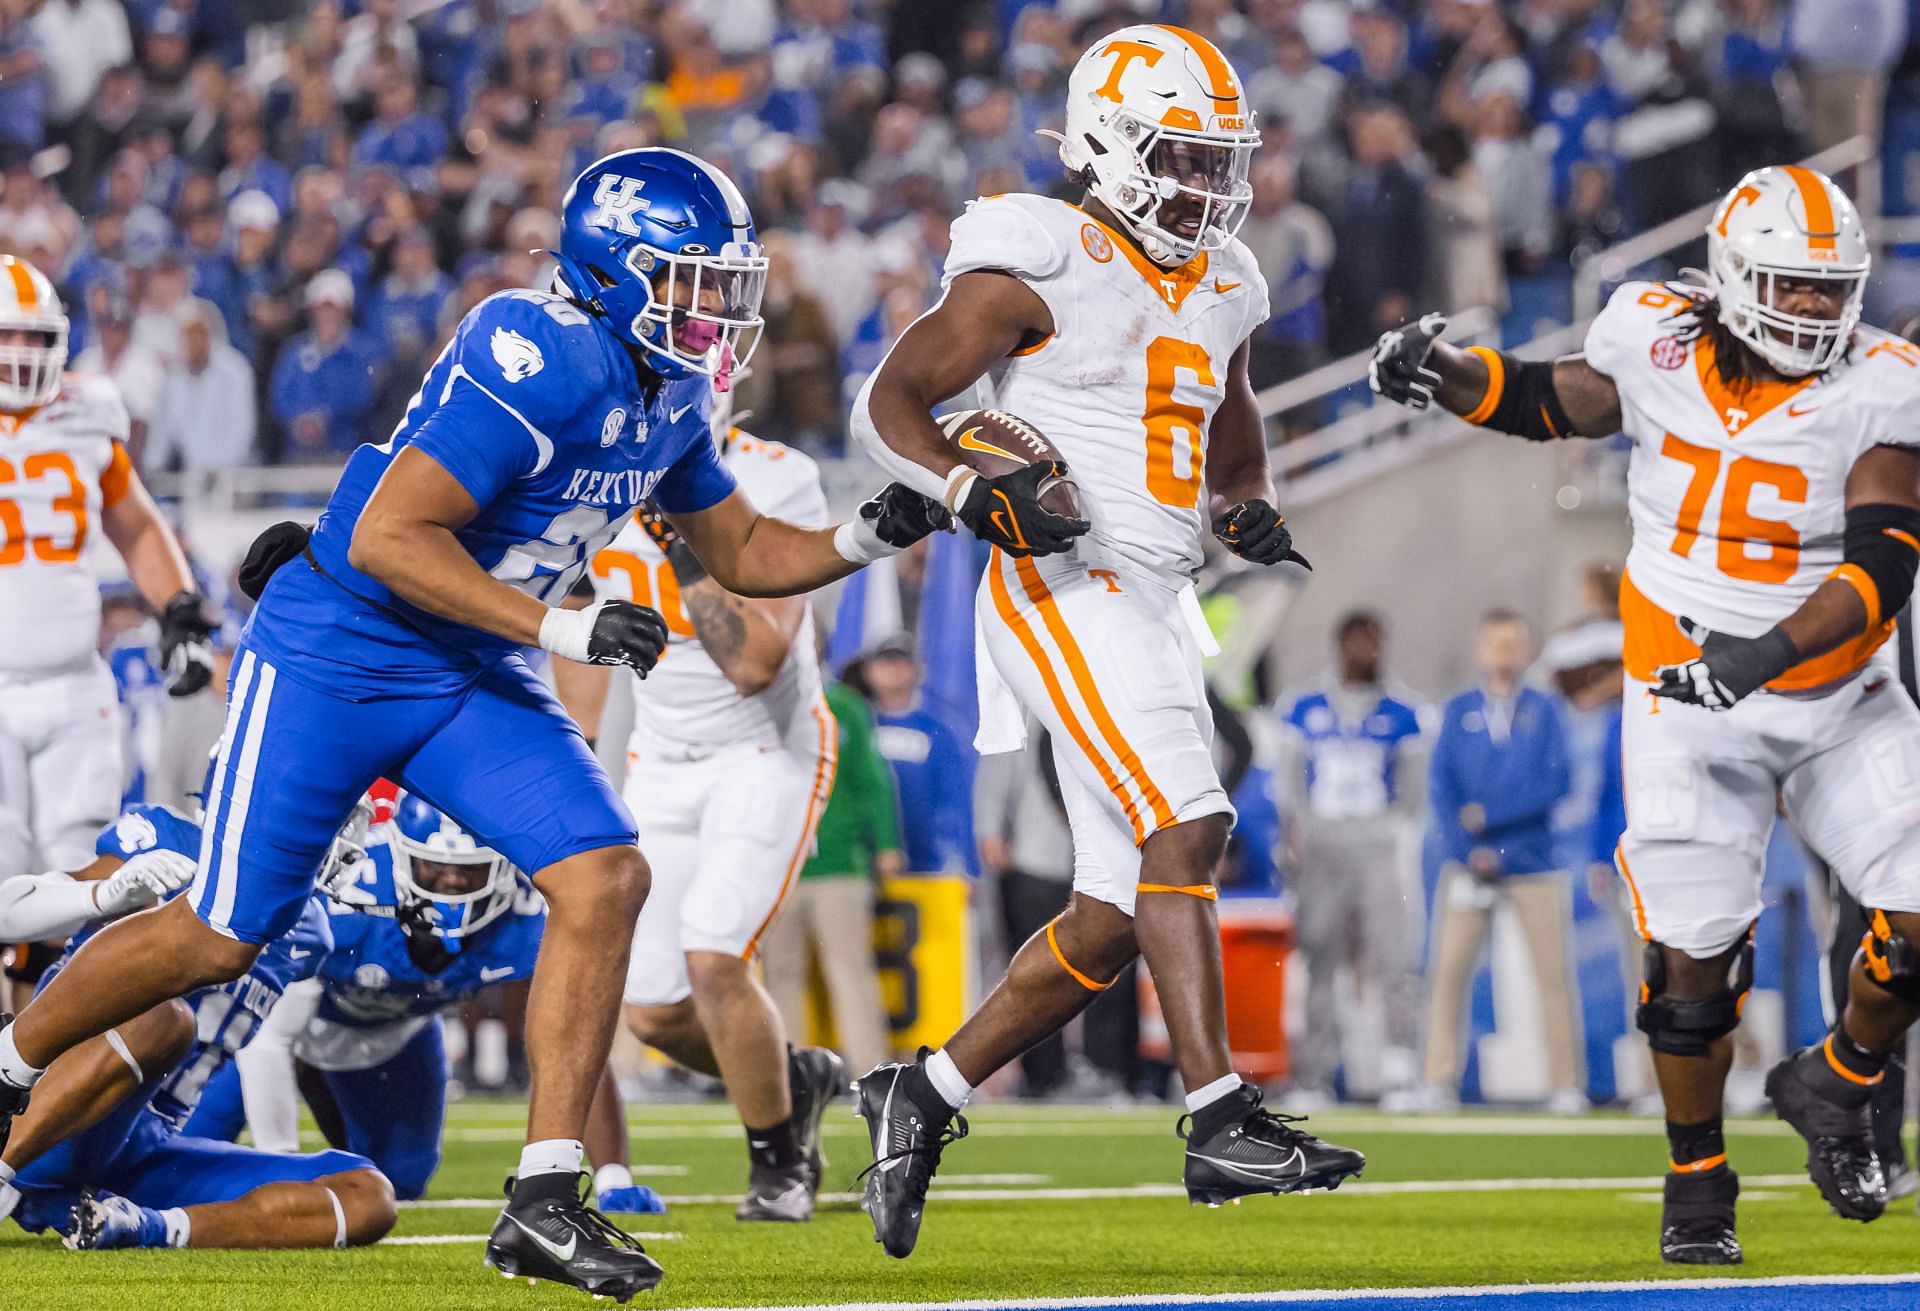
[[1256, 936]]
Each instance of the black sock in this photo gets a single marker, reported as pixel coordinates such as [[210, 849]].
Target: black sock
[[1852, 1061], [774, 1148], [1221, 1112], [1696, 1148], [548, 1185]]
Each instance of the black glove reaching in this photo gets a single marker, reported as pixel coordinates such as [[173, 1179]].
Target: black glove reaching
[[1256, 532], [900, 516], [1398, 370], [186, 643], [1006, 512], [607, 633], [1727, 669]]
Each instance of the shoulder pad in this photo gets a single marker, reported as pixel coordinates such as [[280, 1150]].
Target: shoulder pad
[[1003, 233], [1635, 314], [96, 399], [533, 351], [149, 828]]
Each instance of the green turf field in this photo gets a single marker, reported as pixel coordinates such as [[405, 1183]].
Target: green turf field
[[1040, 1201]]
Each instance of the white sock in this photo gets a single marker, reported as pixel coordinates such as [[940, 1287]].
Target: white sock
[[1213, 1092], [947, 1080], [9, 1199], [552, 1156], [609, 1177], [178, 1226], [13, 1068]]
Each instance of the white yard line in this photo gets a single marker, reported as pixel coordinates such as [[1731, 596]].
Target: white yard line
[[1461, 1292]]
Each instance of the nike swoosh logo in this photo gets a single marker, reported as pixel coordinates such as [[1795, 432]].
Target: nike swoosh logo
[[551, 1248], [296, 953], [674, 417], [1289, 1166], [492, 972], [886, 1127], [1794, 412], [1222, 288], [966, 441]]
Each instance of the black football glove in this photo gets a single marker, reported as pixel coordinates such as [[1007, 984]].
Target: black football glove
[[607, 633], [1256, 532], [1398, 370], [900, 516], [425, 948], [277, 546], [1727, 668], [1006, 512], [686, 566], [186, 643]]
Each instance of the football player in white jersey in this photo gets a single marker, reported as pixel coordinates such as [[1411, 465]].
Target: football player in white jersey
[[1775, 496], [64, 469], [1118, 327], [729, 765]]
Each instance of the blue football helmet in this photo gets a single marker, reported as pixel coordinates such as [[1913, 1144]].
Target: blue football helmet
[[659, 245], [421, 833]]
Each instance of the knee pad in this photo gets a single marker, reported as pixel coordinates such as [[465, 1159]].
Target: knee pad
[[1891, 960], [1689, 1027]]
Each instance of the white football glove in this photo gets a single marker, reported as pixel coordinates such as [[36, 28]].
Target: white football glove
[[143, 881]]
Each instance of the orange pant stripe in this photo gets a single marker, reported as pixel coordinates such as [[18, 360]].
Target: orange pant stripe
[[1042, 598], [1022, 630], [1633, 889], [823, 773]]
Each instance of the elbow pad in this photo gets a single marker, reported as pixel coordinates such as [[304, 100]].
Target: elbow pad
[[1520, 398], [1882, 551]]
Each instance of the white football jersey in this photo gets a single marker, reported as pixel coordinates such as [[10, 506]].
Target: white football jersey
[[686, 705], [1128, 383], [60, 466], [1738, 494]]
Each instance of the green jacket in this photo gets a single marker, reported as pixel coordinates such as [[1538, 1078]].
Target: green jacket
[[862, 817]]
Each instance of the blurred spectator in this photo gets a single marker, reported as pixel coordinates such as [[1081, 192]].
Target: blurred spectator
[[931, 768], [1517, 180], [81, 40], [1499, 769], [830, 915], [404, 315], [833, 258], [23, 78], [1491, 63], [1350, 784], [794, 376], [1466, 268], [1577, 115], [327, 379], [159, 310], [145, 229], [1294, 247], [34, 220], [1845, 51], [375, 37], [136, 371], [1380, 38], [400, 136], [1749, 63], [206, 418], [251, 168], [1380, 260], [246, 290], [106, 124], [1298, 90]]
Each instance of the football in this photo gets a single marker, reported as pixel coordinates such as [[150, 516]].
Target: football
[[993, 442]]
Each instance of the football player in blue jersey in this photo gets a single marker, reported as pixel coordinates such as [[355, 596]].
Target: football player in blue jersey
[[391, 644], [424, 915], [100, 1156]]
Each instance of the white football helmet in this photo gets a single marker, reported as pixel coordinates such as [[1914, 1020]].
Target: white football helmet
[[1787, 223], [1155, 113], [30, 374]]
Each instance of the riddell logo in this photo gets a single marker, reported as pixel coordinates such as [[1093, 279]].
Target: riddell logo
[[1668, 352]]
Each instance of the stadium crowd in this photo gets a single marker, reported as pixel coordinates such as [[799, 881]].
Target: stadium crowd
[[288, 206]]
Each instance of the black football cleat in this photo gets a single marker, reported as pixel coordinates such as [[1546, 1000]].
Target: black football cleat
[[1245, 1149], [910, 1125], [565, 1240], [1696, 1219], [13, 1099], [1836, 1119], [778, 1193], [818, 1078]]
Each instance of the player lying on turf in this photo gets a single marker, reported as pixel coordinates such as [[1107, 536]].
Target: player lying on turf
[[390, 645], [1775, 496], [1117, 328], [423, 916], [734, 712], [100, 1156]]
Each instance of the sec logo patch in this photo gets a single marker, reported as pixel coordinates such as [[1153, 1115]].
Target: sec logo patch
[[1097, 243], [1668, 352]]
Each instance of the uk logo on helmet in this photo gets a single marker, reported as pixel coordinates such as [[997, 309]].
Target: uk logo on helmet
[[615, 201]]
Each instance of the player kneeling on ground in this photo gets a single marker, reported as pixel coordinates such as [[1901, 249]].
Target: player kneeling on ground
[[1775, 497], [1140, 291], [100, 1155], [423, 916]]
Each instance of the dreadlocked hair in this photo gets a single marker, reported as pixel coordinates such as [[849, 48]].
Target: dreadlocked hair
[[1699, 316]]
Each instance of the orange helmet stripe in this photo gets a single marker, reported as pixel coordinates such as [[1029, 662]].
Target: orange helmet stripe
[[23, 288], [1226, 87], [1821, 228]]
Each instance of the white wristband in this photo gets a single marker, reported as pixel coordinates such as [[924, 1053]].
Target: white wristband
[[859, 544], [569, 633], [960, 480]]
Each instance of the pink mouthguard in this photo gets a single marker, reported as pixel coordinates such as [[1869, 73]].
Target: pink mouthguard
[[696, 336]]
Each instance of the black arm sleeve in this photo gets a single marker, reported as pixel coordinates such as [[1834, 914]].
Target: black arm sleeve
[[1520, 398], [1883, 542]]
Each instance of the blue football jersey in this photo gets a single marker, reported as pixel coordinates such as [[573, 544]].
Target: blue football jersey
[[370, 979], [545, 420], [1352, 765], [227, 1016]]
